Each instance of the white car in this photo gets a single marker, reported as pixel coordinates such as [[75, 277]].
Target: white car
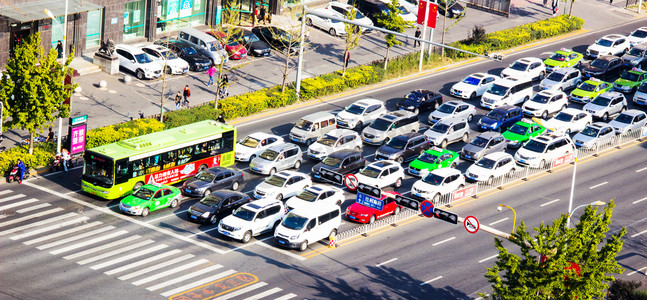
[[595, 135], [606, 104], [562, 79], [340, 10], [137, 61], [382, 174], [453, 109], [333, 27], [166, 58], [473, 86], [640, 96], [541, 151], [254, 144], [282, 185], [334, 140], [360, 113], [316, 194], [544, 103], [629, 121], [569, 120], [638, 36], [252, 219], [491, 166], [407, 16], [527, 68], [439, 182], [612, 44]]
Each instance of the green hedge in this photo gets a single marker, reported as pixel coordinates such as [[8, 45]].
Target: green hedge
[[43, 155], [113, 133]]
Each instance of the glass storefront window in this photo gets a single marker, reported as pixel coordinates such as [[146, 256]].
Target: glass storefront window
[[176, 14], [134, 19], [93, 35], [57, 31]]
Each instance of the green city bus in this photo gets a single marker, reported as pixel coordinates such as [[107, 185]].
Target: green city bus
[[114, 170]]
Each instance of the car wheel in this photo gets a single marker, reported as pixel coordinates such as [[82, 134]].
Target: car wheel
[[192, 68], [470, 117], [398, 183], [542, 164], [206, 193], [465, 137], [297, 164], [338, 203], [605, 117], [303, 246], [436, 198], [544, 115], [309, 22], [279, 197], [490, 180], [252, 157], [202, 168], [358, 148], [563, 107], [453, 166], [542, 74], [460, 187], [436, 105], [443, 144], [332, 32], [174, 203], [272, 171], [416, 111], [235, 186], [511, 172], [139, 74], [372, 219], [145, 212], [213, 220], [400, 160], [308, 142], [525, 99], [247, 237], [386, 141], [623, 109], [276, 224], [137, 186], [359, 125], [396, 211], [568, 131], [473, 96]]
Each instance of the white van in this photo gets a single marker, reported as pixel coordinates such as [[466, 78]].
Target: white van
[[204, 41], [306, 225], [507, 91], [313, 126]]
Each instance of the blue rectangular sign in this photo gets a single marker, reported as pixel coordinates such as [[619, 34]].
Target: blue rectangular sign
[[369, 201]]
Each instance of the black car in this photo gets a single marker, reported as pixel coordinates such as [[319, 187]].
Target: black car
[[603, 67], [277, 38], [419, 100], [253, 44], [370, 8], [217, 205], [197, 62], [216, 178], [342, 161], [403, 148], [454, 9]]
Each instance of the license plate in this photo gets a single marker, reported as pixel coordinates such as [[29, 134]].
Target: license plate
[[255, 168], [317, 176], [193, 217], [281, 242], [522, 160], [266, 54], [312, 155], [257, 196], [417, 194], [341, 123], [225, 232], [367, 140], [456, 93], [467, 156], [294, 139], [485, 128], [352, 217]]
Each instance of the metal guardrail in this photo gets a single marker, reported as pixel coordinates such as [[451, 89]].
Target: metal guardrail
[[405, 213]]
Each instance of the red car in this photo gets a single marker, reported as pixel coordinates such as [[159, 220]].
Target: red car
[[234, 48], [364, 214]]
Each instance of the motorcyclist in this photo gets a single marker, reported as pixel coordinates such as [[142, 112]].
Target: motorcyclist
[[21, 167]]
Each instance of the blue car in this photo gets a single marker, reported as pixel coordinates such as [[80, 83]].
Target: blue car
[[500, 118]]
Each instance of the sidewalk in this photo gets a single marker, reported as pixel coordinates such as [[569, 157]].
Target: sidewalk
[[121, 101]]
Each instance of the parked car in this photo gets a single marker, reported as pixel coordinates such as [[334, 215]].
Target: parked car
[[522, 131], [453, 109], [149, 198], [484, 144], [333, 27], [370, 8], [254, 144], [334, 140], [563, 58], [360, 213], [437, 183], [234, 49], [216, 205], [137, 61], [562, 79], [447, 131], [282, 185], [254, 45], [209, 180], [390, 125], [277, 38], [253, 219], [450, 8], [595, 135], [629, 121], [205, 44], [606, 105], [166, 58], [603, 67], [197, 62], [360, 113], [501, 118], [432, 159], [316, 194], [630, 80], [277, 158], [569, 120], [420, 100], [611, 44], [636, 57], [543, 150], [544, 103], [343, 162], [473, 86], [588, 90], [527, 68], [341, 10], [382, 174], [490, 167], [403, 147]]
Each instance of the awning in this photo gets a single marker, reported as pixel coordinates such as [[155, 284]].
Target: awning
[[36, 11]]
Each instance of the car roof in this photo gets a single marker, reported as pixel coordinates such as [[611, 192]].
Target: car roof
[[507, 82], [340, 132], [260, 204], [129, 48], [490, 135], [611, 94], [633, 112], [477, 75], [572, 111], [454, 103], [288, 174], [217, 169], [314, 209], [344, 153], [452, 120], [398, 114], [228, 193], [158, 48], [320, 188], [318, 115], [262, 135], [600, 125], [497, 155], [550, 92], [367, 102], [282, 147], [548, 136], [408, 135], [607, 57], [566, 70], [528, 60], [507, 108], [383, 164], [444, 172], [642, 46], [613, 36]]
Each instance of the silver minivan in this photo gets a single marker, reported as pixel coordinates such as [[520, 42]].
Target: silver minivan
[[277, 158], [313, 126], [447, 131], [388, 126], [203, 40]]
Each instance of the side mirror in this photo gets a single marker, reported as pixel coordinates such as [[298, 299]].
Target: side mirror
[[132, 61]]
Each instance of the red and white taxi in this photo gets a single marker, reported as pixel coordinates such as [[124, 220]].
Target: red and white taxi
[[363, 214]]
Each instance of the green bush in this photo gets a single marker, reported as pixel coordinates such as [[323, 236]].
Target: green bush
[[42, 156], [243, 105], [181, 117], [113, 133]]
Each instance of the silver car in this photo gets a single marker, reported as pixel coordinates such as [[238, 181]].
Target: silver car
[[629, 121], [606, 104], [562, 79], [448, 131], [484, 144], [595, 135], [277, 158], [453, 109]]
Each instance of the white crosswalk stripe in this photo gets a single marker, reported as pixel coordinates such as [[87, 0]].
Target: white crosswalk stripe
[[102, 247], [35, 207], [242, 291], [156, 267], [171, 271], [127, 257], [16, 204], [183, 278], [197, 283], [49, 228], [29, 217], [101, 238], [143, 262], [74, 238], [36, 224], [5, 192], [264, 294], [115, 252], [62, 233], [2, 200], [286, 297]]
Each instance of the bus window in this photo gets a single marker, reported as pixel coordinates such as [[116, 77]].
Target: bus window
[[121, 171]]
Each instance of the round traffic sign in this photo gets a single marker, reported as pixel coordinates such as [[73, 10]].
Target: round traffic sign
[[471, 224], [351, 182], [427, 208]]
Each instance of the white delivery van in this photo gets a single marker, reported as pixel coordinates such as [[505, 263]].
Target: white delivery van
[[306, 225], [507, 91]]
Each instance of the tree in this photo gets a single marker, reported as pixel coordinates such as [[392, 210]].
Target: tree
[[353, 36], [626, 290], [447, 10], [291, 43], [392, 20], [225, 37], [32, 88], [546, 268]]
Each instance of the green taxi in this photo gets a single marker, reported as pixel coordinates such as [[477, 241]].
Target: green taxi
[[589, 89], [563, 58], [149, 198], [432, 159], [630, 80], [522, 131]]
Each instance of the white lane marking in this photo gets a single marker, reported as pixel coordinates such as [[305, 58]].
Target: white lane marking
[[12, 205], [50, 228], [36, 215], [640, 170], [290, 254], [100, 238], [443, 241], [634, 272], [58, 172], [242, 291], [264, 294], [115, 252], [73, 192], [5, 192], [286, 297], [113, 206], [173, 214], [183, 278], [43, 222], [35, 207], [11, 198], [127, 257], [549, 203], [598, 185], [74, 238], [643, 199], [639, 233], [488, 258], [197, 283], [102, 247], [431, 280], [156, 266], [497, 222], [142, 262], [171, 271], [249, 244], [386, 262], [62, 233]]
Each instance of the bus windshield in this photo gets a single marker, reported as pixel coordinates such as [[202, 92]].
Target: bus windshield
[[98, 170]]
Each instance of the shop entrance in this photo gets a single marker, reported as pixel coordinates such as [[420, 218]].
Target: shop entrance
[[19, 32]]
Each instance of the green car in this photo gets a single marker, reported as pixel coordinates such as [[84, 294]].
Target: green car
[[148, 198], [432, 159], [563, 58], [589, 89], [630, 81], [522, 131]]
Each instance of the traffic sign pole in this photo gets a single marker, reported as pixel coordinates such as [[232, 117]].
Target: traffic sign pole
[[471, 224], [427, 209]]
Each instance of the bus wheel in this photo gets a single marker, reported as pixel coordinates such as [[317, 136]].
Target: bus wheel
[[137, 186], [203, 167]]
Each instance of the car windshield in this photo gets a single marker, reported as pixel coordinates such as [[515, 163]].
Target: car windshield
[[498, 90], [643, 88], [519, 66], [355, 109], [486, 163], [479, 142], [624, 118], [630, 76], [303, 125], [415, 96], [327, 140], [331, 161], [380, 124], [433, 179], [539, 98], [496, 115], [440, 127], [269, 155], [294, 222], [232, 43], [370, 172], [558, 57], [403, 11], [518, 129], [250, 142], [189, 51], [564, 117], [398, 143], [639, 34], [144, 193], [169, 55], [142, 58], [428, 158], [244, 214], [604, 43], [590, 131], [471, 80], [251, 38], [205, 176], [214, 46], [275, 181], [556, 76], [600, 63], [307, 196], [601, 101], [446, 108], [535, 146], [636, 52], [587, 87], [211, 200]]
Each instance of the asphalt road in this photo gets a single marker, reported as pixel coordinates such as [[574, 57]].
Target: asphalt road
[[45, 256]]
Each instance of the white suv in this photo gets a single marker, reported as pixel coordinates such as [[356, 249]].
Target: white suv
[[335, 140], [316, 194], [360, 113], [606, 104], [282, 185], [439, 182], [545, 102], [638, 36], [252, 219], [562, 79], [382, 174], [491, 166], [612, 44], [448, 131], [135, 60], [165, 57], [527, 68], [541, 151]]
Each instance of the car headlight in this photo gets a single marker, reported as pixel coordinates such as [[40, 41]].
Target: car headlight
[[294, 237], [363, 215], [410, 107], [456, 11], [205, 214]]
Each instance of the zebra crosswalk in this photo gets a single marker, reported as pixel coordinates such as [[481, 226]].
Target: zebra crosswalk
[[115, 252]]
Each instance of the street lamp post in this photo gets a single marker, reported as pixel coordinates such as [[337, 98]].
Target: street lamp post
[[51, 15], [514, 221], [570, 212]]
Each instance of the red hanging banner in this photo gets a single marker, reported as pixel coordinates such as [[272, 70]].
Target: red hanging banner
[[433, 13]]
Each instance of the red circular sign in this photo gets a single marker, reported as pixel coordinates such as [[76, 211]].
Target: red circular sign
[[351, 182], [471, 224]]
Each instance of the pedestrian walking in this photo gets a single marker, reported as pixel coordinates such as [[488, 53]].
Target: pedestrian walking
[[221, 119], [224, 82], [59, 49], [261, 14], [65, 156], [50, 136], [210, 72], [21, 167], [417, 35], [187, 94], [178, 100], [556, 8], [346, 59]]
